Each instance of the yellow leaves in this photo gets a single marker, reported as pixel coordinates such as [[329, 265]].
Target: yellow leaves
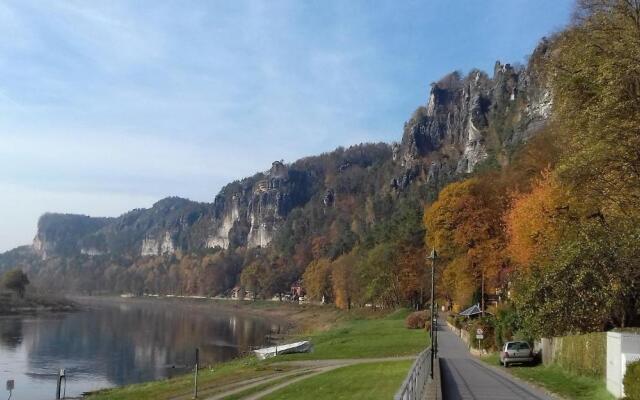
[[459, 281], [532, 221], [317, 279], [465, 226]]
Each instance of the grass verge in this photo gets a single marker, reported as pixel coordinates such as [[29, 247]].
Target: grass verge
[[558, 380], [362, 381], [210, 381]]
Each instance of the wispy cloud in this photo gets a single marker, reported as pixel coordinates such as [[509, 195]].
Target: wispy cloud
[[139, 100]]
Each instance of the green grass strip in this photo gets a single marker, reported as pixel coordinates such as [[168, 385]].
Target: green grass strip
[[370, 381]]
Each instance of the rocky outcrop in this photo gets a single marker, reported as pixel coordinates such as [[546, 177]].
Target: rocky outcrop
[[468, 120], [155, 247], [60, 234]]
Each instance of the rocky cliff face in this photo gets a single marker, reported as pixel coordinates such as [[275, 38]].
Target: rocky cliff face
[[470, 120], [246, 213], [61, 234]]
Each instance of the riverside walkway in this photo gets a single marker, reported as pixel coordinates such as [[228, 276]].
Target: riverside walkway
[[466, 378]]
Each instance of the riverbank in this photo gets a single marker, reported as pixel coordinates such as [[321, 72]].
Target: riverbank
[[372, 348], [295, 319], [33, 304]]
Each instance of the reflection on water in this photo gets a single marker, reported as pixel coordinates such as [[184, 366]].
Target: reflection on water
[[118, 342]]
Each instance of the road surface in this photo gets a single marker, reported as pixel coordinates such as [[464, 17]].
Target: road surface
[[466, 378]]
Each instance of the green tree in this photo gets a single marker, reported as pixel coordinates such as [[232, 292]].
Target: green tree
[[591, 283], [16, 280]]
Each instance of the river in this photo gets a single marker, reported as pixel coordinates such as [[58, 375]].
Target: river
[[113, 342]]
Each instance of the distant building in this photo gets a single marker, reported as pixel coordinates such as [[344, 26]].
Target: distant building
[[237, 293], [297, 290]]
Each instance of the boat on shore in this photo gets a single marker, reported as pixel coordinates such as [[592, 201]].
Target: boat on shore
[[297, 347]]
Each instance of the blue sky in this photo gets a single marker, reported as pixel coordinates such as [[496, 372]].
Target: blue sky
[[107, 106]]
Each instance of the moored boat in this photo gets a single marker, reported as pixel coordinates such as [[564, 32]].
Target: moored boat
[[297, 347]]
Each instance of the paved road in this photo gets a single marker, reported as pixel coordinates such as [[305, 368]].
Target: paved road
[[464, 377]]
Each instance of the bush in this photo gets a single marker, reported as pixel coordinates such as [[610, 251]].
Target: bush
[[507, 323], [418, 320], [632, 381], [456, 321], [487, 324]]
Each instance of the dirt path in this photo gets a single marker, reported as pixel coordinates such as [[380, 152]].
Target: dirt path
[[313, 367]]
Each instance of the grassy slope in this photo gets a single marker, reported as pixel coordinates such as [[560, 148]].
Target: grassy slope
[[557, 380], [363, 381], [178, 387], [353, 336], [366, 338]]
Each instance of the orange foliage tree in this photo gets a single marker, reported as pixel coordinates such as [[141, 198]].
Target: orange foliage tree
[[533, 220], [465, 226]]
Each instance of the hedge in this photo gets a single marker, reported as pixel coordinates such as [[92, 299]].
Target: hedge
[[632, 381], [583, 354]]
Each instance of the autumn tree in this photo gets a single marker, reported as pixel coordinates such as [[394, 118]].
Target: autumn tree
[[412, 273], [465, 226], [345, 282], [317, 279], [534, 220]]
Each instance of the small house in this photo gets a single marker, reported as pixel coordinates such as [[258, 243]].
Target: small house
[[472, 312]]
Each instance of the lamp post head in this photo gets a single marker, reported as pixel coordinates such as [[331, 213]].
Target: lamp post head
[[433, 255]]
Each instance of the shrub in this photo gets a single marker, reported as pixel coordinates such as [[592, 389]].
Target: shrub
[[456, 321], [632, 381], [507, 323], [417, 320], [487, 324]]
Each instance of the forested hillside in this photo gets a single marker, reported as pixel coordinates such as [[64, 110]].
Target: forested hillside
[[557, 230], [527, 181]]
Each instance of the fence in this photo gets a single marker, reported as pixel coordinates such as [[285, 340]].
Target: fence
[[415, 384]]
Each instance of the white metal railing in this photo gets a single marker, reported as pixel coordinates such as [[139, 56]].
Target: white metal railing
[[415, 384]]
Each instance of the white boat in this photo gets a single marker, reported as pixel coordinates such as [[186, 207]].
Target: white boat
[[297, 347]]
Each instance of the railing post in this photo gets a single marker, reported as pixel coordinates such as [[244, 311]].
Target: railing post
[[61, 375], [195, 373]]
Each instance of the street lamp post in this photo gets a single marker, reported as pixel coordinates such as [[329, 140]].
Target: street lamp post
[[433, 257]]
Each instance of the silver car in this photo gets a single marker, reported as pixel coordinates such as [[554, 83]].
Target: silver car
[[516, 352]]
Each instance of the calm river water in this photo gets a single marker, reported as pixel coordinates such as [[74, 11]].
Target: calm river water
[[115, 342]]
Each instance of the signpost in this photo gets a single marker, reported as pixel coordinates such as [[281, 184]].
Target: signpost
[[479, 336]]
